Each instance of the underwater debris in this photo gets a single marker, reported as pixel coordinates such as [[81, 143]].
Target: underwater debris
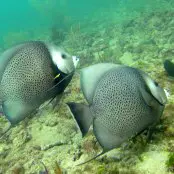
[[52, 145]]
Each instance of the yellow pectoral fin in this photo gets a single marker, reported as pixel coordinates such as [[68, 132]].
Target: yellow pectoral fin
[[56, 76]]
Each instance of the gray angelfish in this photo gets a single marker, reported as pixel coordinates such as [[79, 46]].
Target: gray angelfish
[[30, 74], [123, 101]]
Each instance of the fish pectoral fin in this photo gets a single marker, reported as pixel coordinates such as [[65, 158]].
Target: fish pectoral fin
[[106, 138], [82, 115], [148, 98]]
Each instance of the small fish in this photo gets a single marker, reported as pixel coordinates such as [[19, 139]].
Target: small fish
[[123, 101], [30, 74], [169, 67]]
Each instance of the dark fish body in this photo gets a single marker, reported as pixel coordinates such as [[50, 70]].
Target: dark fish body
[[169, 67], [27, 79], [123, 101]]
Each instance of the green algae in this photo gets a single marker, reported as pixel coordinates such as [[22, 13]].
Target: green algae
[[170, 162]]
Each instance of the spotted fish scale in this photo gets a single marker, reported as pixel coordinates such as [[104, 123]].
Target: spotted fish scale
[[27, 68], [117, 97]]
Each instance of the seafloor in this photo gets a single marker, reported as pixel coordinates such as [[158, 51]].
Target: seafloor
[[143, 42]]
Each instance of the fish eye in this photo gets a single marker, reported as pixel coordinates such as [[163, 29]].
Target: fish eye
[[63, 56]]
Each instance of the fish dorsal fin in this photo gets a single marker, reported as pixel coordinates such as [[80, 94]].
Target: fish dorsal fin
[[90, 76]]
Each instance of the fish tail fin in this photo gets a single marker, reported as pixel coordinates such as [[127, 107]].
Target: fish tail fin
[[82, 115], [92, 158]]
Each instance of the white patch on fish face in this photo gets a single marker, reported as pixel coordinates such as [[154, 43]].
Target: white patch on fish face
[[63, 61], [75, 60], [167, 93]]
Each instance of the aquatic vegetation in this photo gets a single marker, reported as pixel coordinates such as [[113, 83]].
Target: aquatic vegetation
[[57, 169], [18, 170], [75, 38], [57, 35], [90, 145], [170, 162]]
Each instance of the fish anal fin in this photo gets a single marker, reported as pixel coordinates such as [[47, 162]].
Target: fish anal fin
[[82, 115], [106, 138]]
